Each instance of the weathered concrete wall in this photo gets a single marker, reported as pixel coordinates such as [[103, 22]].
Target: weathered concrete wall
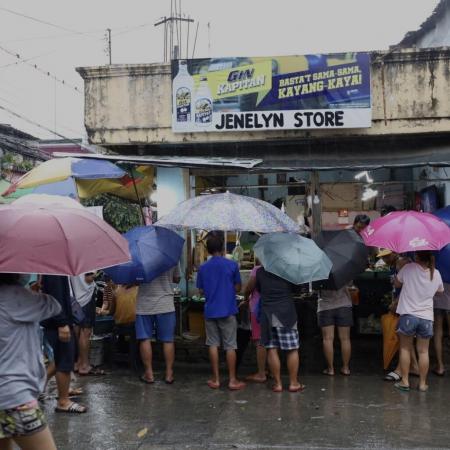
[[131, 104]]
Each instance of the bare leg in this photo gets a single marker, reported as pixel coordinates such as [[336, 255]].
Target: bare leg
[[233, 383], [169, 356], [63, 386], [328, 350], [346, 348], [414, 367], [274, 365], [76, 331], [6, 444], [145, 349], [261, 358], [84, 344], [406, 346], [214, 359], [424, 361], [437, 339], [43, 440], [293, 361]]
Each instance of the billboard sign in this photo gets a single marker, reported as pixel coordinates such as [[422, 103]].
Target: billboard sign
[[271, 93]]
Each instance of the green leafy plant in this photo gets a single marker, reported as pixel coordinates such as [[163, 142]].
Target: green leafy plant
[[120, 214]]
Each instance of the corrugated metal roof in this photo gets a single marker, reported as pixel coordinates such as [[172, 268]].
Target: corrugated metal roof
[[170, 161]]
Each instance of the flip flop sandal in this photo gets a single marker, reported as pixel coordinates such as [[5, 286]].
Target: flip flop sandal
[[345, 374], [277, 389], [425, 389], [145, 380], [238, 387], [252, 379], [392, 376], [169, 381], [438, 374], [74, 408], [92, 373], [213, 385], [401, 387], [300, 388], [327, 373]]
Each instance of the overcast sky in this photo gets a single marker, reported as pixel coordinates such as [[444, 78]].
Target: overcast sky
[[237, 28]]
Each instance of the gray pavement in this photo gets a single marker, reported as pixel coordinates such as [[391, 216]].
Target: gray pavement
[[360, 411]]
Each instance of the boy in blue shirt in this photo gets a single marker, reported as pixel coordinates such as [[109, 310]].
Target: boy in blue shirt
[[219, 280]]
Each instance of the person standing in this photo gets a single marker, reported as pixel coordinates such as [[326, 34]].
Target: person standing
[[279, 327], [441, 313], [58, 331], [84, 291], [253, 297], [419, 282], [361, 222], [334, 311], [395, 262], [22, 371], [155, 316], [219, 280]]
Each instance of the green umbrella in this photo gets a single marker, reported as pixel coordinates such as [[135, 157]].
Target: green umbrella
[[293, 257], [18, 193]]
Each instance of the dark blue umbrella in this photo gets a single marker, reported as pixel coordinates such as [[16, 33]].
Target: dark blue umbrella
[[443, 255], [154, 250]]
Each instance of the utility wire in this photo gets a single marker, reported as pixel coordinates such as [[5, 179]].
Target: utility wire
[[43, 71], [43, 22], [43, 127], [22, 61]]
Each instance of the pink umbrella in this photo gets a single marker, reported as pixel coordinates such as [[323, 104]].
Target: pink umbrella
[[57, 241], [407, 231]]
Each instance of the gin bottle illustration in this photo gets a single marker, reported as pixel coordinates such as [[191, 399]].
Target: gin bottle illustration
[[203, 105], [183, 85]]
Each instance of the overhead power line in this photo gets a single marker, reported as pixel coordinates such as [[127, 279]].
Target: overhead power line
[[42, 127], [43, 71], [43, 22]]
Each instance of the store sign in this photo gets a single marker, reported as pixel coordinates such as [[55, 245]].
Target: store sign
[[280, 93]]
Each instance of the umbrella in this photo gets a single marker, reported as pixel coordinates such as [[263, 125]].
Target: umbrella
[[443, 256], [228, 212], [407, 231], [389, 323], [47, 201], [59, 241], [347, 252], [292, 257], [60, 169], [154, 250]]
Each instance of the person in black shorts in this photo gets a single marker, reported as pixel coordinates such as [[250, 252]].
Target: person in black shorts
[[334, 310], [58, 331]]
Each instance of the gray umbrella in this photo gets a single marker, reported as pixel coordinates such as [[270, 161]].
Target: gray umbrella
[[348, 253]]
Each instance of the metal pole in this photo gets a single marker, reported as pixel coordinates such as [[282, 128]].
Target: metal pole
[[316, 208], [137, 195], [109, 45]]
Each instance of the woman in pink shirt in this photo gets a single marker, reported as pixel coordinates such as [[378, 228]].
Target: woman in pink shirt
[[252, 296], [419, 282]]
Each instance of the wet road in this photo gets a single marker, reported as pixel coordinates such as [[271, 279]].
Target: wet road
[[360, 411]]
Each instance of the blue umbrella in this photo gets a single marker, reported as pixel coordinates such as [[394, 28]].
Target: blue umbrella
[[292, 257], [154, 250], [443, 255]]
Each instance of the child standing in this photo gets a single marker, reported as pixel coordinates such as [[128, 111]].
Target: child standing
[[219, 280]]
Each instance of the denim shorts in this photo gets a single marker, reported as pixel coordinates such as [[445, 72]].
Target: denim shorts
[[156, 326], [415, 326]]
